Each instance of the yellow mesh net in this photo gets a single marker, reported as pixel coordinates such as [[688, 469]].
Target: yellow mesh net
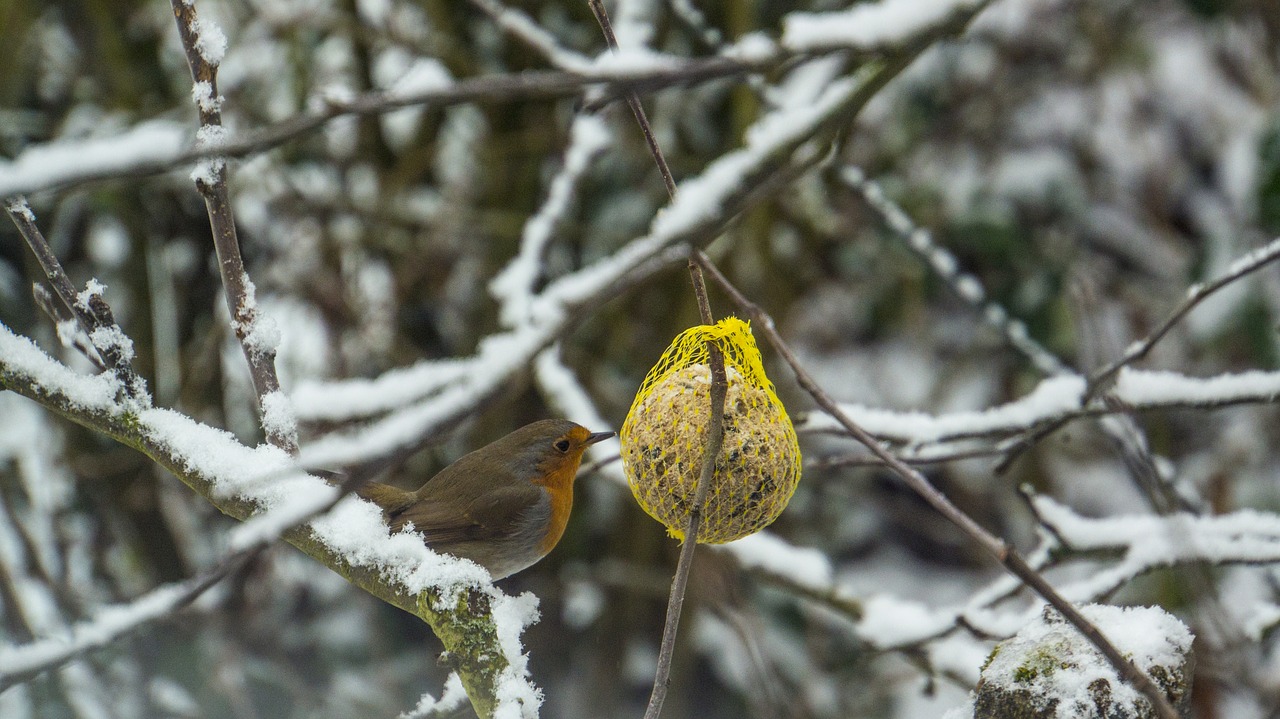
[[665, 435]]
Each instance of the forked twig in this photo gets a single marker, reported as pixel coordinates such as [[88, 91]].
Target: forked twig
[[90, 310]]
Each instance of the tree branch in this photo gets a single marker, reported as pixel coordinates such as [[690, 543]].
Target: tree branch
[[460, 611]]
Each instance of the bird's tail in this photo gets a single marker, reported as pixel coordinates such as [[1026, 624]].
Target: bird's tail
[[392, 500]]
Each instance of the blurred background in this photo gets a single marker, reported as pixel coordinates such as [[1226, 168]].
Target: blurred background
[[1086, 161]]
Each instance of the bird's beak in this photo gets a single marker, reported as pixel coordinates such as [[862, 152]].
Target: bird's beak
[[598, 437]]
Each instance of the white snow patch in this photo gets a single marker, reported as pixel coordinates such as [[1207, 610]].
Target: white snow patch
[[211, 43], [867, 24]]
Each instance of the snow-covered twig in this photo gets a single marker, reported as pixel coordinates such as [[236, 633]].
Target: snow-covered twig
[[1242, 537], [157, 146], [20, 663], [205, 45], [778, 147], [23, 662], [91, 311], [1000, 550], [1240, 268], [521, 26], [1053, 402], [945, 265]]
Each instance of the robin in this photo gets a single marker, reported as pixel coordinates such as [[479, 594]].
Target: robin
[[503, 506]]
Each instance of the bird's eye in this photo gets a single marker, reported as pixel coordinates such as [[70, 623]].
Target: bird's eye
[[562, 445]]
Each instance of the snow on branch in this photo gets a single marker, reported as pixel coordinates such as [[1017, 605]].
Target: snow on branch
[[1056, 399], [478, 624], [947, 267], [1239, 269], [704, 204], [1147, 542], [589, 136], [91, 312], [22, 662], [872, 26], [155, 146]]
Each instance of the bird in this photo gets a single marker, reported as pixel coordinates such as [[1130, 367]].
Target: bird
[[503, 506]]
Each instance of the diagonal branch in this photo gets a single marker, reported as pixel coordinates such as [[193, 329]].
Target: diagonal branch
[[1001, 551], [453, 596]]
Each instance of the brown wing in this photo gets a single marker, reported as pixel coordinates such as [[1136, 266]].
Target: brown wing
[[495, 514]]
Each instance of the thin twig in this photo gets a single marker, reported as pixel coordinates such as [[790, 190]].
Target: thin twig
[[947, 267], [90, 310], [212, 184], [1002, 551], [715, 424], [637, 109], [1242, 267]]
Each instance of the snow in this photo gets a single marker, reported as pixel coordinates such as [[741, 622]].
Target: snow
[[1051, 397], [629, 62], [63, 161], [296, 498], [106, 624], [424, 76], [261, 334], [582, 605], [502, 355], [277, 415], [889, 621], [867, 25], [767, 552], [21, 356], [266, 477], [211, 43], [1062, 663], [202, 96], [1153, 388], [1254, 258], [92, 288], [19, 206], [516, 697], [354, 398], [453, 697], [207, 169], [108, 242], [752, 47], [519, 24], [589, 136], [111, 338]]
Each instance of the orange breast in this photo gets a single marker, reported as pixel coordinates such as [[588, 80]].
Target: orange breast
[[559, 484]]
